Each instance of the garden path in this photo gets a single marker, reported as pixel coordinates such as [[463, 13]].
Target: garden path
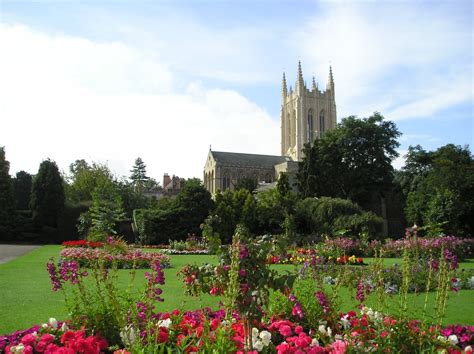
[[9, 252]]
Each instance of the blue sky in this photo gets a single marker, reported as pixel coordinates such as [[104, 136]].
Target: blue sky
[[109, 81]]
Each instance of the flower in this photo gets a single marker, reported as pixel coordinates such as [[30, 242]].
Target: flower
[[266, 337], [453, 339]]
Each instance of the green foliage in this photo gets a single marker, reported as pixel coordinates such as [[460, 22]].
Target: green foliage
[[47, 196], [439, 186], [249, 184], [22, 186], [350, 161], [183, 216], [7, 202], [139, 176], [104, 214], [327, 216], [233, 208], [131, 198], [84, 178]]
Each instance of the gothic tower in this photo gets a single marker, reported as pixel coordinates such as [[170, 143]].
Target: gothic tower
[[305, 114]]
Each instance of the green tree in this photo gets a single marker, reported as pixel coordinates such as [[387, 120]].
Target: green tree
[[139, 176], [22, 186], [249, 184], [47, 196], [7, 202], [352, 162], [328, 216], [84, 178], [440, 188], [104, 214], [196, 201]]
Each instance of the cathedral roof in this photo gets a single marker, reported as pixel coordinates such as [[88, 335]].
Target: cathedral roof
[[248, 160]]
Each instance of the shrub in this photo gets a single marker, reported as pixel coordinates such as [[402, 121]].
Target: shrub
[[328, 216]]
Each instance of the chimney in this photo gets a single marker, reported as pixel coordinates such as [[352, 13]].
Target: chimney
[[166, 180]]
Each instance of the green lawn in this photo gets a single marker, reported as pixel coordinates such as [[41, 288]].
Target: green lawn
[[26, 297]]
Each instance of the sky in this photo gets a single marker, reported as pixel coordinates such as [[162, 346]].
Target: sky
[[110, 81]]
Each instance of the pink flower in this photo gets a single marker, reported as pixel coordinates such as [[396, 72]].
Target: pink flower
[[285, 331], [339, 347], [29, 339]]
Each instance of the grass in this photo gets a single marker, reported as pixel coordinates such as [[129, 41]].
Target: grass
[[26, 297]]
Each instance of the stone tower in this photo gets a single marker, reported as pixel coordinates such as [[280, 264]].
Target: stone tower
[[305, 114]]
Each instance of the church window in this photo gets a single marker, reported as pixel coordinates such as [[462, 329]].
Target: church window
[[268, 178], [225, 181], [321, 124], [310, 126]]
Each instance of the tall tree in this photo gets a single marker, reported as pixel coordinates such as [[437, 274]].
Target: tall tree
[[439, 186], [22, 186], [47, 195], [84, 178], [7, 202], [352, 161], [104, 214], [139, 176]]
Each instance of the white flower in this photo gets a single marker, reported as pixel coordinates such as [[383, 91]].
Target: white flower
[[254, 334], [53, 323], [314, 342], [128, 335], [266, 337], [442, 339], [164, 323], [322, 329], [64, 327], [468, 349], [258, 345], [345, 322], [453, 339], [329, 331], [17, 349]]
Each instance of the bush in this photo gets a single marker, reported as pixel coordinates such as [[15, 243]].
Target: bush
[[329, 216]]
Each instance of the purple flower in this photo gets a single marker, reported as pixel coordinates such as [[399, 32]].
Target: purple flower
[[53, 275], [323, 301]]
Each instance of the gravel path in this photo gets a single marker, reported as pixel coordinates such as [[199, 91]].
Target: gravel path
[[9, 252]]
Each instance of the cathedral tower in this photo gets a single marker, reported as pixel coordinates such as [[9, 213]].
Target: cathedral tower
[[305, 114]]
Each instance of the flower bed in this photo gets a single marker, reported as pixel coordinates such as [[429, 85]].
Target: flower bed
[[83, 243], [310, 255], [461, 247], [202, 330], [129, 259]]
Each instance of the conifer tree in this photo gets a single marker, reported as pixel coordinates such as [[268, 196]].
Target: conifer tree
[[47, 195], [7, 201], [139, 176], [22, 187]]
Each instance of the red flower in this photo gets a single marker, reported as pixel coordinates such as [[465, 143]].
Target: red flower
[[163, 335]]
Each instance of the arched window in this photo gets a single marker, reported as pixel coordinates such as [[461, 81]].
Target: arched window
[[226, 181], [268, 178], [310, 126], [321, 124], [288, 131]]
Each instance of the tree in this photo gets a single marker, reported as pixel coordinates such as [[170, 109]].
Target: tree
[[139, 176], [352, 162], [84, 178], [104, 214], [22, 186], [327, 216], [7, 202], [47, 196], [439, 187]]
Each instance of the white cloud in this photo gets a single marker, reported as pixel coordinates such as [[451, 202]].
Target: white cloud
[[69, 98], [403, 59]]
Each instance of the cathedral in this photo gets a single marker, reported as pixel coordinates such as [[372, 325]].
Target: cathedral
[[306, 114]]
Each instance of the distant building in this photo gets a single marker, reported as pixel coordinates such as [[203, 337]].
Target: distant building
[[172, 185], [306, 114]]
